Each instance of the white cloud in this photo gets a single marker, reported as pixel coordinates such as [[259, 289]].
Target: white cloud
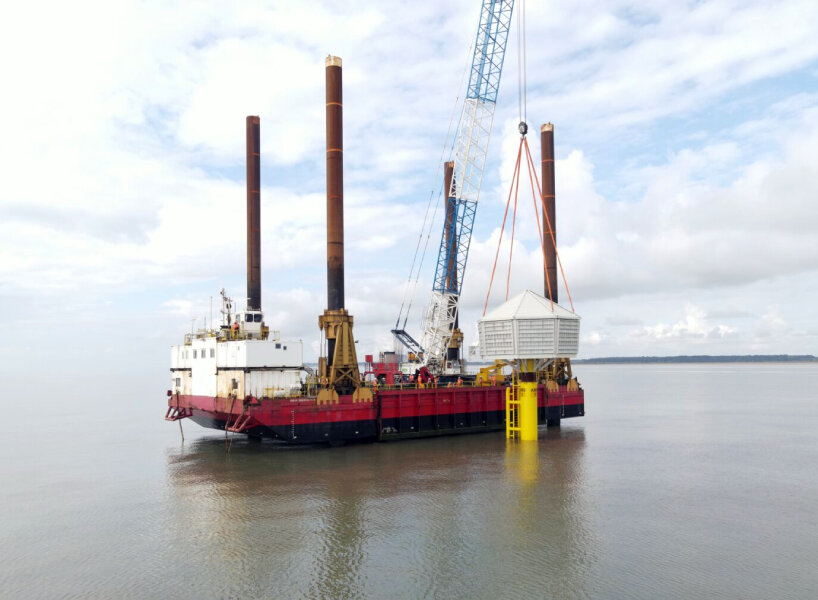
[[635, 68], [594, 338], [123, 148], [695, 326], [179, 306], [688, 229]]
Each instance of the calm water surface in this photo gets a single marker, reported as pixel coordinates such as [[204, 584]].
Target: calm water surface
[[683, 481]]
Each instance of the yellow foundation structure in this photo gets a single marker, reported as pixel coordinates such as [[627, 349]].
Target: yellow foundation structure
[[528, 410], [521, 404]]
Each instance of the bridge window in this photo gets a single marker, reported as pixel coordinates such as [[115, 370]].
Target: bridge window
[[278, 346], [212, 352], [194, 354]]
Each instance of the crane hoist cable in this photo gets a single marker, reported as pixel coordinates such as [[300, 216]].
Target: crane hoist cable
[[522, 82], [536, 191]]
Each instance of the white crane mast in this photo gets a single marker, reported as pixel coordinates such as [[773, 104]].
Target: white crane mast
[[472, 142]]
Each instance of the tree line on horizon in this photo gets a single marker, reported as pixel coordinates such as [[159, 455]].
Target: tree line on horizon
[[701, 358]]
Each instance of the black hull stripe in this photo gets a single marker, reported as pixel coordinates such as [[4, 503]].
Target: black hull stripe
[[398, 428]]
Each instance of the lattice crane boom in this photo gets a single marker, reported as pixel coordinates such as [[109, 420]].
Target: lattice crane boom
[[471, 145]]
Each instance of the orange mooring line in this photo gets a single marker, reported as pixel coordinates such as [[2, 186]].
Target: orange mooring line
[[503, 227], [551, 229]]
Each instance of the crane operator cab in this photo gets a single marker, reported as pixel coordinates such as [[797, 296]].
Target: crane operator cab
[[251, 325]]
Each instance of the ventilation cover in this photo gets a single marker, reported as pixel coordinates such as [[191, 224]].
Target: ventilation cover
[[528, 327]]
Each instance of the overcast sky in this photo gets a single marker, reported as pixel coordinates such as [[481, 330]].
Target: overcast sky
[[686, 143]]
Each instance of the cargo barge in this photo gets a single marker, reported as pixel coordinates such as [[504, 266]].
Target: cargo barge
[[392, 414], [243, 377]]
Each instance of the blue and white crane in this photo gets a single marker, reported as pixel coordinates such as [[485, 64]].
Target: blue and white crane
[[440, 331]]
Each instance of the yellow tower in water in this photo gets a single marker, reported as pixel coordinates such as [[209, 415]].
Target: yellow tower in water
[[522, 421], [531, 334]]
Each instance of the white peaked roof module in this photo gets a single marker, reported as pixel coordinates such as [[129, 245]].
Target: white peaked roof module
[[529, 326]]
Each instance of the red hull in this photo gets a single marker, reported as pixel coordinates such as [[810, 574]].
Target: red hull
[[393, 413]]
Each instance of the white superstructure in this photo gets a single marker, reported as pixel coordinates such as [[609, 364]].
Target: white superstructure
[[241, 358]]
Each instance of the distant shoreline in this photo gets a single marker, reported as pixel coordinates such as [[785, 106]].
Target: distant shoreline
[[703, 358]]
